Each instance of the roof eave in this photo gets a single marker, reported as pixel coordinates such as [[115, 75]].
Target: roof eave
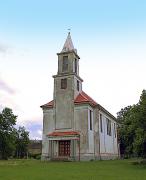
[[70, 51], [87, 103], [46, 107], [105, 111]]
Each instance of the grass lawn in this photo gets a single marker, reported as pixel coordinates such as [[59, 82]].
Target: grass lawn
[[98, 170]]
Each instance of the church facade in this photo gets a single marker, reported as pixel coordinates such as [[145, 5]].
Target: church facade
[[75, 127]]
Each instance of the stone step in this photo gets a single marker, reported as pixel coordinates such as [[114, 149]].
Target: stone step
[[64, 159]]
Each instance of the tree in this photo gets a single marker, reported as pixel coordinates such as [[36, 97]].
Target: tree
[[7, 133], [140, 138], [22, 141], [132, 128]]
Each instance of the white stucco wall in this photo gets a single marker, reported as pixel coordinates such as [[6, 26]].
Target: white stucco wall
[[108, 143], [82, 124], [90, 132], [48, 127], [76, 92]]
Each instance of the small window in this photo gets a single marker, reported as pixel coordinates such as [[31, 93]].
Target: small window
[[75, 65], [65, 63], [78, 85], [115, 130], [108, 127], [90, 119], [101, 129], [63, 83]]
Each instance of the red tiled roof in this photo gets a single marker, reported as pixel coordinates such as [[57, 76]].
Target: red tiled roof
[[48, 105], [66, 133], [84, 98]]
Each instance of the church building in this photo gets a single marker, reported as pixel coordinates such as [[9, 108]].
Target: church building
[[76, 127]]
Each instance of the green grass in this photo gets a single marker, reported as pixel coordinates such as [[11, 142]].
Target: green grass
[[96, 170]]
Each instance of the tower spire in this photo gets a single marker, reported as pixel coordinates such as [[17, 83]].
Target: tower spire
[[68, 45]]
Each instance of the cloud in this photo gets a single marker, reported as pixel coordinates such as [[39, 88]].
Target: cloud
[[3, 48], [34, 128], [1, 107], [5, 87]]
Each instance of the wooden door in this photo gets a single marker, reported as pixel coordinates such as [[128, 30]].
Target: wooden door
[[64, 148]]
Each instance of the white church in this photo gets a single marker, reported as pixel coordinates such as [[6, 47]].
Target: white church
[[76, 127]]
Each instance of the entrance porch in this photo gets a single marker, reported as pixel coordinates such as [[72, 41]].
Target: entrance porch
[[64, 146]]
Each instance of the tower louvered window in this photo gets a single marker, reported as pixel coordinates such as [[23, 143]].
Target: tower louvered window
[[65, 64], [64, 83], [75, 65], [78, 85]]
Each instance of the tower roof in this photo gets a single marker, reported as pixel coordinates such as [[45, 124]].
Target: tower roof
[[68, 45]]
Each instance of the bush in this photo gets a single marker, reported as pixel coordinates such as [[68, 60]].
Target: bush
[[139, 162], [38, 157], [35, 156]]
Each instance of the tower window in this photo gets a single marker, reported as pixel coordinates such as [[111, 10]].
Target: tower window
[[75, 65], [63, 83], [78, 85], [108, 127], [65, 63], [101, 128]]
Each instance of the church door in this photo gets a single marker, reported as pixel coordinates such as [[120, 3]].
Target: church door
[[64, 148]]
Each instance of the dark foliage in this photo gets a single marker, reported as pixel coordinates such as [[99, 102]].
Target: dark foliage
[[132, 128], [12, 141]]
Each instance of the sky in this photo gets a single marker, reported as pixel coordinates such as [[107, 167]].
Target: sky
[[110, 37]]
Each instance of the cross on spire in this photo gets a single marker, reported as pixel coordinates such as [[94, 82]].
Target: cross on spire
[[69, 30]]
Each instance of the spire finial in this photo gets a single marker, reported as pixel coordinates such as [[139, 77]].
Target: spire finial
[[68, 45], [69, 29]]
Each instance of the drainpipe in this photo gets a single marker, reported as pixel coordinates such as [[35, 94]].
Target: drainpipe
[[99, 135], [79, 147], [118, 144]]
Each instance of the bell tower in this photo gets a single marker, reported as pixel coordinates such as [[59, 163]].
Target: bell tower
[[68, 60], [67, 85]]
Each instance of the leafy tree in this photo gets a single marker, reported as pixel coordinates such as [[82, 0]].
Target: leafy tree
[[140, 139], [7, 133], [132, 128], [22, 141]]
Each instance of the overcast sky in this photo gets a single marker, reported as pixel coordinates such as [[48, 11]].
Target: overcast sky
[[110, 37]]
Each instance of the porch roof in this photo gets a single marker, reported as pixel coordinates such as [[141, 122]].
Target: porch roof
[[64, 133]]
